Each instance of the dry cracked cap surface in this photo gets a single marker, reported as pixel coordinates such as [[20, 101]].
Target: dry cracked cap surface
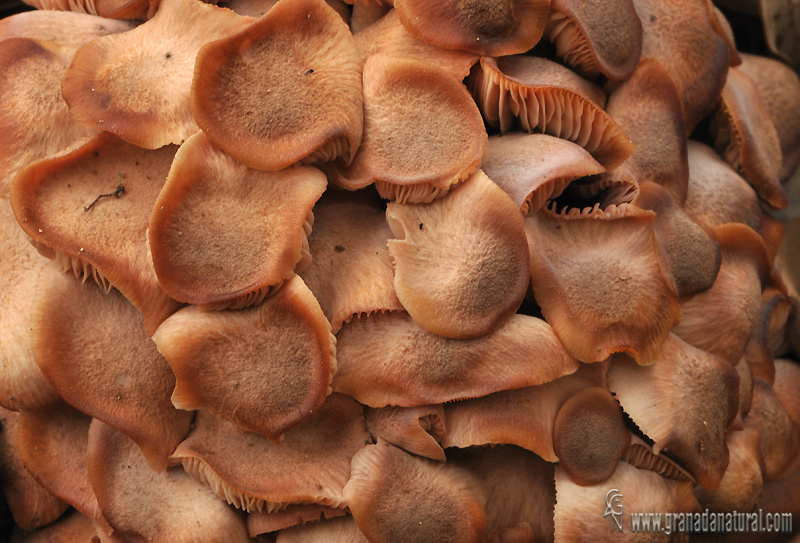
[[461, 262], [223, 235], [388, 359], [423, 132], [538, 95], [535, 168], [310, 466], [265, 367], [164, 507], [395, 496], [487, 28], [684, 402], [83, 335], [351, 271], [599, 278], [137, 84], [596, 37], [89, 209], [285, 90]]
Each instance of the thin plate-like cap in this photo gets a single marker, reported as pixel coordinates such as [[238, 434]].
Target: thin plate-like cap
[[285, 90]]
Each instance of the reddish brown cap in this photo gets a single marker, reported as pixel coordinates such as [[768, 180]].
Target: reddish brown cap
[[779, 443], [286, 89], [223, 235]]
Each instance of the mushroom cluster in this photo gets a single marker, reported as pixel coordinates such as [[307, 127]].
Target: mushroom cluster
[[392, 271]]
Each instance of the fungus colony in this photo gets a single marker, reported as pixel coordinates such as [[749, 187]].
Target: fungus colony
[[437, 271]]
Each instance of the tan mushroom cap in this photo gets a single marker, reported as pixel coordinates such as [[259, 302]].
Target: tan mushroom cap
[[423, 132], [395, 496], [117, 9], [589, 436], [266, 367], [520, 489], [34, 121], [310, 465], [137, 84], [66, 29], [746, 137], [390, 37], [487, 28], [680, 35], [351, 271], [341, 530], [257, 8], [524, 417], [779, 434], [261, 522], [718, 195], [416, 430], [690, 250], [52, 444], [604, 37], [388, 359], [30, 503], [787, 385], [779, 88], [579, 509], [22, 385], [744, 478], [285, 90], [169, 506], [89, 208], [685, 403], [461, 262], [600, 281], [72, 527], [721, 319], [535, 168], [223, 235], [81, 335], [648, 109], [769, 337], [538, 95]]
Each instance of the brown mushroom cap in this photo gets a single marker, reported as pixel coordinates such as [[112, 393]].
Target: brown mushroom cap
[[286, 89], [416, 430], [599, 279], [351, 271], [137, 84], [487, 28], [769, 337], [423, 132], [539, 95], [589, 436], [534, 168], [388, 359], [89, 208], [222, 234], [166, 506], [604, 37], [72, 527], [341, 530], [266, 367], [461, 263], [786, 386], [310, 465], [684, 402], [779, 443], [395, 496], [68, 29], [261, 522]]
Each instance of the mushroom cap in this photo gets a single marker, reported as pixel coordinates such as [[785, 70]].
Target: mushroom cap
[[310, 466], [779, 443], [535, 168], [72, 527], [486, 28], [286, 89], [388, 359], [395, 496], [222, 234], [406, 161], [787, 379], [66, 29], [261, 522], [340, 530], [461, 262], [58, 203], [167, 506], [80, 335], [539, 95], [769, 337], [589, 436], [599, 278], [594, 37], [137, 84], [277, 356], [416, 430]]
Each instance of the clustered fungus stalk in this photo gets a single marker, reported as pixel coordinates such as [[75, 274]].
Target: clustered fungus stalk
[[391, 271]]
